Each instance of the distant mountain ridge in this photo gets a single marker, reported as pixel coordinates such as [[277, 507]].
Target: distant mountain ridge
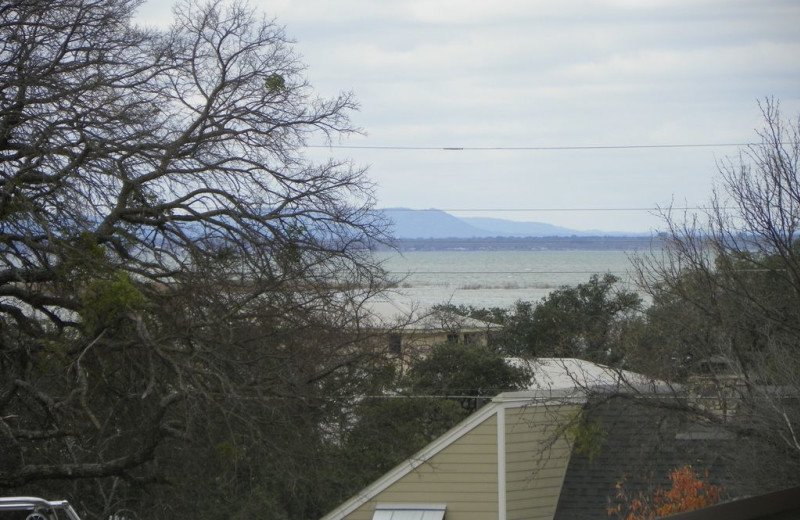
[[502, 227], [437, 224], [429, 223]]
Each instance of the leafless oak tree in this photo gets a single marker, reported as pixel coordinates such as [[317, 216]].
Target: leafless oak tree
[[165, 246]]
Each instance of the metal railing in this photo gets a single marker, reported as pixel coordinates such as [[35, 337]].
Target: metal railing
[[39, 507]]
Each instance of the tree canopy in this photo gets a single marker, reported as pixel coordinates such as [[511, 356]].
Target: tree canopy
[[167, 249], [588, 321], [464, 373]]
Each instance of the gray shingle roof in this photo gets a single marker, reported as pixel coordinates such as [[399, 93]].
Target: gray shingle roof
[[642, 443]]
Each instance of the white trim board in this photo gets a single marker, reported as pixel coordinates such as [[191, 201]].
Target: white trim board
[[501, 463]]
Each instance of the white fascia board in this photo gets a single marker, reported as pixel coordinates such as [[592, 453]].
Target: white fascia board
[[541, 397]]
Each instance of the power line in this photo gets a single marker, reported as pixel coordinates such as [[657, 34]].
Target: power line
[[673, 208], [412, 273], [530, 148], [607, 271]]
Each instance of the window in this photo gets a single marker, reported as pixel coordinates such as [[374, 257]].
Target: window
[[472, 338], [409, 512], [395, 344], [452, 338]]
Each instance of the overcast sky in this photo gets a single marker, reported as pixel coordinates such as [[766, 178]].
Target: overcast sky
[[555, 73]]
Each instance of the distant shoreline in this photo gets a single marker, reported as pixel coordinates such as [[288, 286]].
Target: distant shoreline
[[598, 243]]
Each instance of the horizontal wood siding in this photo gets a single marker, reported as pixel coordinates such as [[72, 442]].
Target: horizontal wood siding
[[462, 475], [536, 459]]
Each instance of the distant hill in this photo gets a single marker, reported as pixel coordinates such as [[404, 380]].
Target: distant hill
[[436, 224], [502, 227], [430, 223]]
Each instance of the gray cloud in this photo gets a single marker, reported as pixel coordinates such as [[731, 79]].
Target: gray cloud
[[547, 73]]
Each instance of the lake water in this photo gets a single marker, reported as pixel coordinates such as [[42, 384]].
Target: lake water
[[498, 278]]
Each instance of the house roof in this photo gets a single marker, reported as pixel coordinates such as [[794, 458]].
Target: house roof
[[394, 311], [578, 375], [636, 443]]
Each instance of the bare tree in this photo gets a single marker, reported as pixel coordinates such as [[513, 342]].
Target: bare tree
[[725, 317], [165, 246]]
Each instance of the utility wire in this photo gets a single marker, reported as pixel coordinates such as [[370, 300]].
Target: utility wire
[[411, 273], [530, 148], [673, 208]]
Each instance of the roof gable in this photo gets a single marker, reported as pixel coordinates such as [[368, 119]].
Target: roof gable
[[415, 461], [556, 382]]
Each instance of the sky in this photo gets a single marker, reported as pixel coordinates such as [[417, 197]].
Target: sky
[[541, 82]]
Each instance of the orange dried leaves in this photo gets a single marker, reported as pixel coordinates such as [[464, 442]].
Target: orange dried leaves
[[688, 491]]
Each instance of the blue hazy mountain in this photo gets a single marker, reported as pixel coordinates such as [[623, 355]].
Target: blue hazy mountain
[[503, 227], [434, 223], [429, 223]]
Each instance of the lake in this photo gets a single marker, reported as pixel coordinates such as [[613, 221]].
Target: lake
[[498, 278]]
